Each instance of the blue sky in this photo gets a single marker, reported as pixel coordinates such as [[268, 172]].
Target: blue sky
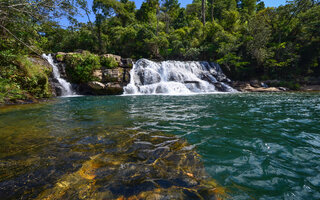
[[269, 3]]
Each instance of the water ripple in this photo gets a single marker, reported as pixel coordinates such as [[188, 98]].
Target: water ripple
[[259, 146]]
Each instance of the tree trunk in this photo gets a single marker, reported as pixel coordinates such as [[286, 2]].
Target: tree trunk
[[99, 39], [203, 12], [158, 11], [167, 23], [212, 11], [99, 30]]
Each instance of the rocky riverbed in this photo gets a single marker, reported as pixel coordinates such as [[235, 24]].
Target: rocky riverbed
[[116, 164]]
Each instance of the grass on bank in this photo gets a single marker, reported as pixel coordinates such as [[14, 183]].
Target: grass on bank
[[21, 79]]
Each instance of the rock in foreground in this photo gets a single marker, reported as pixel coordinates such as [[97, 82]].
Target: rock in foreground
[[138, 165]]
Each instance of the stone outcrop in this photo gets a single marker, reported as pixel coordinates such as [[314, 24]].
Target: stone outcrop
[[94, 85], [98, 88], [117, 58], [108, 81], [311, 88], [256, 86], [98, 75]]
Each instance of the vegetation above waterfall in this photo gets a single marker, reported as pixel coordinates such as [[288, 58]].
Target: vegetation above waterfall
[[81, 66], [249, 40]]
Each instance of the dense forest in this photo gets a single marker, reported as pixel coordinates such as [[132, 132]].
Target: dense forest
[[247, 39]]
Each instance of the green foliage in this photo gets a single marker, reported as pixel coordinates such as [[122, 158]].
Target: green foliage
[[108, 63], [59, 57], [247, 39], [35, 77], [10, 90], [80, 66], [23, 79]]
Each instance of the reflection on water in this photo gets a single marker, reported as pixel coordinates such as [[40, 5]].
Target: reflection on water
[[261, 146]]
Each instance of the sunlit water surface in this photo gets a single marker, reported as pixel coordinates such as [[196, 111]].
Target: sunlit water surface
[[259, 146]]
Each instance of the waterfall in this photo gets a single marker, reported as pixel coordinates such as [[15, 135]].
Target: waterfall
[[176, 77], [66, 88]]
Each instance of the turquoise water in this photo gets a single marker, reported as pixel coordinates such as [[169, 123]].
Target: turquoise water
[[256, 146]]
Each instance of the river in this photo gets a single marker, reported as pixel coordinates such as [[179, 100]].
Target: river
[[259, 146]]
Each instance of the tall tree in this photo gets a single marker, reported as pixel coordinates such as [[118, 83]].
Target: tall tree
[[203, 11], [170, 9], [20, 18], [211, 3]]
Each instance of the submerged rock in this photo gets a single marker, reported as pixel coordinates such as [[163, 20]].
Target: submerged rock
[[138, 165]]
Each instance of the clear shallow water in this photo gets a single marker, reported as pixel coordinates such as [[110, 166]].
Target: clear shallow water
[[260, 146]]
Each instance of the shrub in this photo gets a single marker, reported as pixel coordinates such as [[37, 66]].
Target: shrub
[[108, 63], [80, 66], [22, 79], [10, 91], [34, 79], [60, 57]]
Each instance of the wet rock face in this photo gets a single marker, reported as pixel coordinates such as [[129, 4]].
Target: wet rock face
[[112, 75], [98, 88], [95, 85], [127, 63], [137, 165], [106, 81]]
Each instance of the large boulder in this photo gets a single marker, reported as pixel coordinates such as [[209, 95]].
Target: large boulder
[[98, 75], [255, 83], [127, 63], [249, 88], [112, 75], [114, 89], [60, 56], [98, 88], [95, 85]]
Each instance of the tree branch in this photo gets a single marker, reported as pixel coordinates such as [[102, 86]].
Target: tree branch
[[16, 38]]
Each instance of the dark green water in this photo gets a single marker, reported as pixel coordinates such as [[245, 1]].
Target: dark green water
[[259, 146]]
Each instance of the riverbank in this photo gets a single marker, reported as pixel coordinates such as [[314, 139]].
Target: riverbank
[[274, 86], [31, 79], [25, 79]]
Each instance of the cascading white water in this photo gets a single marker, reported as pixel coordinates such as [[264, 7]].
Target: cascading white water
[[176, 77], [66, 88]]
